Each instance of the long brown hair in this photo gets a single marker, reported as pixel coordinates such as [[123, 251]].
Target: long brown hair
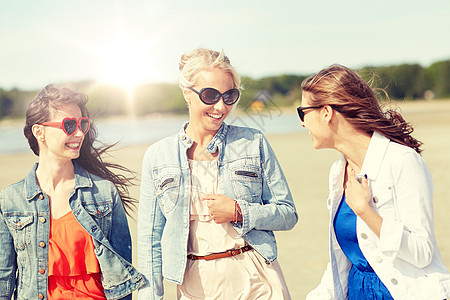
[[52, 98], [347, 91]]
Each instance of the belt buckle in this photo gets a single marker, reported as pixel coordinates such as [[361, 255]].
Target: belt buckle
[[235, 252]]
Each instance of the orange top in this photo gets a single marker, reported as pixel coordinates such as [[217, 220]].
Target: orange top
[[73, 268]]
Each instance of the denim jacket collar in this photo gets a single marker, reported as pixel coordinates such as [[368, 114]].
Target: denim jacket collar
[[82, 179], [213, 145]]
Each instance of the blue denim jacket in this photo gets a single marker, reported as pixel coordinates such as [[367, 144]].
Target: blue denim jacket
[[25, 224], [248, 173]]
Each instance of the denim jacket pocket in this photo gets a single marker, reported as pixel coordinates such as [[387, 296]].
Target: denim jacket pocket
[[247, 182], [167, 186], [98, 210], [20, 228], [100, 213]]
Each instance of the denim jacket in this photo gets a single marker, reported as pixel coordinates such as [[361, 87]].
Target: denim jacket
[[248, 173], [24, 236]]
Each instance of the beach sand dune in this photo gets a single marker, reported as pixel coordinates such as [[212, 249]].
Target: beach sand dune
[[303, 251]]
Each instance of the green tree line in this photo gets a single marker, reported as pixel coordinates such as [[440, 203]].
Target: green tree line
[[404, 82]]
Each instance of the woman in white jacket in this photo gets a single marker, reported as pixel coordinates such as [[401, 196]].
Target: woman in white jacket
[[382, 243]]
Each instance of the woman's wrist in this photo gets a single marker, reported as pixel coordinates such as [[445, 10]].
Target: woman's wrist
[[237, 213], [363, 209]]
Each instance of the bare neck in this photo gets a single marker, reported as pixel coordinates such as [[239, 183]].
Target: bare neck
[[353, 145], [201, 139], [52, 173]]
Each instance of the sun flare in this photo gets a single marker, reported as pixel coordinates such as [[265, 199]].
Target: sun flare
[[125, 64]]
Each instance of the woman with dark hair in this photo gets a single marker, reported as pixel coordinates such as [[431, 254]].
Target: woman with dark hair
[[382, 243], [211, 197], [63, 228]]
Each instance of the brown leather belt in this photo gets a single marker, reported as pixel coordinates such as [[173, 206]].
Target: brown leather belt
[[227, 253]]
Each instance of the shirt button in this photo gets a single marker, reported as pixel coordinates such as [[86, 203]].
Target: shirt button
[[42, 244], [42, 271], [41, 196], [42, 219], [394, 281], [364, 236], [375, 199], [19, 224], [41, 296], [378, 259], [183, 137]]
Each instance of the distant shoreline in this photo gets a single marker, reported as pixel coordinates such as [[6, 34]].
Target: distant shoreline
[[406, 104]]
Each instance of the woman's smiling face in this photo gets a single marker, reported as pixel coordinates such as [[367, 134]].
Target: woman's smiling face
[[205, 117], [313, 122], [57, 142]]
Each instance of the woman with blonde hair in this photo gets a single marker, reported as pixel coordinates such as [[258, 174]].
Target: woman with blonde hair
[[382, 243], [211, 197]]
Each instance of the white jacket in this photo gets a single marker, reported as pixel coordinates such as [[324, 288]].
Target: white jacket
[[405, 257]]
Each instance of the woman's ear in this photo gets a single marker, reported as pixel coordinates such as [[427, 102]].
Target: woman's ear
[[38, 132], [186, 95], [327, 114]]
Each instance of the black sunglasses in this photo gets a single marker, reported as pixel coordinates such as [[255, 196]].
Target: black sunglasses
[[301, 114], [211, 96], [70, 125]]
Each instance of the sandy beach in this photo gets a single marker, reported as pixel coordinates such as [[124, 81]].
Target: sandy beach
[[303, 251]]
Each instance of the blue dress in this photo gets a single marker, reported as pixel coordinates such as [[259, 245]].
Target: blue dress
[[363, 282]]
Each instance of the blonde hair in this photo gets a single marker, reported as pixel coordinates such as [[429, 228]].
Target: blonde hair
[[204, 59]]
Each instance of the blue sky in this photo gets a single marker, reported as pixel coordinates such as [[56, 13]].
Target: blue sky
[[127, 42]]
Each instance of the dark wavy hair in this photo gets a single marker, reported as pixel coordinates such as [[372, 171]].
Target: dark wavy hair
[[347, 91], [40, 110]]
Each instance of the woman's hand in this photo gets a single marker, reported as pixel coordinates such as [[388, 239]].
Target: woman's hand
[[221, 208], [358, 194]]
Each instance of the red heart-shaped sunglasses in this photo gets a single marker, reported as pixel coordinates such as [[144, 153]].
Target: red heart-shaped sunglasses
[[70, 125]]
